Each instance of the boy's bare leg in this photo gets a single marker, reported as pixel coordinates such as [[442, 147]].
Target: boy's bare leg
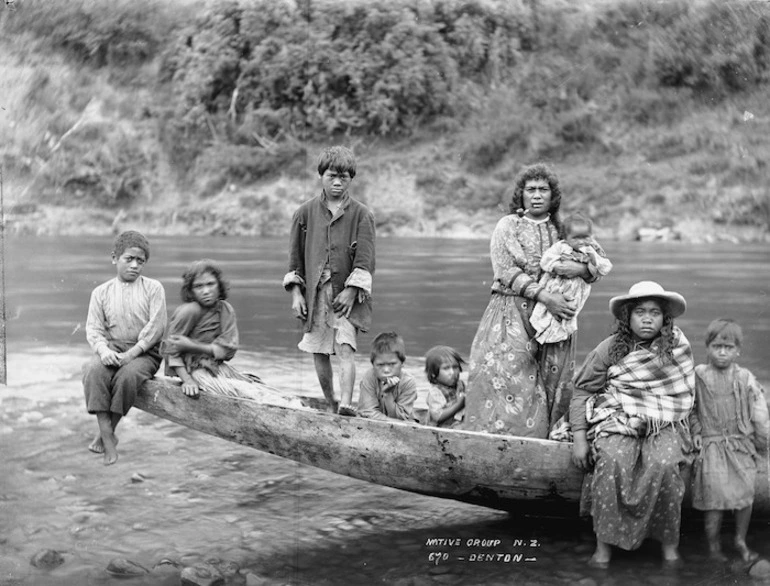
[[107, 433], [97, 445], [712, 523], [323, 369], [347, 375], [742, 519]]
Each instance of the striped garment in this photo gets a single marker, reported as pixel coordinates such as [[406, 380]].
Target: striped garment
[[644, 393]]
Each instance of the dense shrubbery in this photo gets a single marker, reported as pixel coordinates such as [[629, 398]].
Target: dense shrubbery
[[117, 33], [245, 83]]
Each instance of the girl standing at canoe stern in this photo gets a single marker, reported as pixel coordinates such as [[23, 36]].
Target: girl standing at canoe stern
[[631, 401], [446, 395], [203, 335], [729, 423], [516, 385]]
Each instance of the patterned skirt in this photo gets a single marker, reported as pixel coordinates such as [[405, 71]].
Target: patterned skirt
[[515, 386], [636, 488]]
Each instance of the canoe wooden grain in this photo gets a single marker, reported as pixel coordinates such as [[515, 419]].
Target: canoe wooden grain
[[502, 472]]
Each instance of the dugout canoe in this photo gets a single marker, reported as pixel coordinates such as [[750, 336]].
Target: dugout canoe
[[501, 472]]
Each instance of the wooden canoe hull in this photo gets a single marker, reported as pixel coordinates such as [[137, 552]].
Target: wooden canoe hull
[[502, 472]]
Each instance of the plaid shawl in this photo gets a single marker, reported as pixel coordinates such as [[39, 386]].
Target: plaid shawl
[[643, 393]]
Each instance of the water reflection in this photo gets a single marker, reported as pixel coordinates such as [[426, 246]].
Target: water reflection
[[431, 291]]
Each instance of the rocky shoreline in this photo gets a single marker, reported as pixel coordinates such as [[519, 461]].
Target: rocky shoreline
[[216, 220]]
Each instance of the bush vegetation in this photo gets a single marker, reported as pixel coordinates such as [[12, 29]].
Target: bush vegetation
[[238, 92]]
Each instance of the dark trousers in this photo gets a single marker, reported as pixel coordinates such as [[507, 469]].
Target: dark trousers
[[114, 389]]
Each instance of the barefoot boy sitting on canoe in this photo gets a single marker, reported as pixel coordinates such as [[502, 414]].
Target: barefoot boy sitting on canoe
[[126, 320], [331, 263]]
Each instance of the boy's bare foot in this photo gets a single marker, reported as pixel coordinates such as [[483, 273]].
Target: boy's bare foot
[[347, 410], [110, 443], [97, 446], [746, 554], [715, 552]]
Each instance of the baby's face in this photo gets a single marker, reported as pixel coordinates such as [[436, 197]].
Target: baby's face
[[386, 365]]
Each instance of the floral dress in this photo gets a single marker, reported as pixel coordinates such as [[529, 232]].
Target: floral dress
[[517, 386]]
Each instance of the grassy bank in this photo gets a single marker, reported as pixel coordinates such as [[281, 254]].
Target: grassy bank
[[193, 117]]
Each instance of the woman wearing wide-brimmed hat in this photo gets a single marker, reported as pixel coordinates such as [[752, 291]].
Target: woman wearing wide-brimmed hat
[[628, 412]]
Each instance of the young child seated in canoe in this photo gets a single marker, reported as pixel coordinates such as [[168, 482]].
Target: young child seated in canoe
[[729, 422], [446, 396], [387, 391], [203, 335], [126, 319], [579, 246]]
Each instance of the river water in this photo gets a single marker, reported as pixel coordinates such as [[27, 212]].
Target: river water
[[182, 496]]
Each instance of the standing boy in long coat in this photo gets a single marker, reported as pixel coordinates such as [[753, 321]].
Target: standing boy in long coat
[[331, 263]]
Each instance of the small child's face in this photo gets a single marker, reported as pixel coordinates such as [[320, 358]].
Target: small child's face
[[335, 183], [387, 365], [646, 320], [722, 353], [448, 373], [205, 288], [130, 264]]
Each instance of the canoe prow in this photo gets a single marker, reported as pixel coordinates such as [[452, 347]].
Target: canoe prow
[[497, 471]]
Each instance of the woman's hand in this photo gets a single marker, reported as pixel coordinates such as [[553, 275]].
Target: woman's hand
[[558, 305], [581, 452], [571, 269]]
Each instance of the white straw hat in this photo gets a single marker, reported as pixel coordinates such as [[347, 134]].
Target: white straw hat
[[644, 289]]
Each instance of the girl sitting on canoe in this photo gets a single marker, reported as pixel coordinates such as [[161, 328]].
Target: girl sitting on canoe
[[203, 335], [631, 400], [446, 396], [729, 423]]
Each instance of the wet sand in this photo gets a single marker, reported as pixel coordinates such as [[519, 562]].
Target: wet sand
[[188, 498]]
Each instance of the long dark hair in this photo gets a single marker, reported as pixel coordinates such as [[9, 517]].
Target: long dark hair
[[197, 268], [545, 173], [624, 340]]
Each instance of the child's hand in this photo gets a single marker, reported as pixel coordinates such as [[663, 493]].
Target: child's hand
[[177, 343], [389, 382], [697, 441], [190, 389], [298, 303], [110, 358], [343, 303]]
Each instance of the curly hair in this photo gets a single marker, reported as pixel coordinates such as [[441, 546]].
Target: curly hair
[[542, 172], [199, 267], [130, 239], [624, 341]]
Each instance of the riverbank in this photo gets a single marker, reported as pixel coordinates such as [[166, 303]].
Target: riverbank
[[224, 219]]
